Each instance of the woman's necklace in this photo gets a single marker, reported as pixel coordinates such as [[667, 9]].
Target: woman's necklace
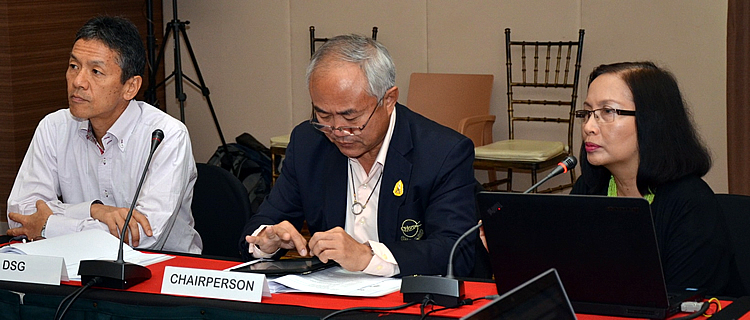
[[358, 207]]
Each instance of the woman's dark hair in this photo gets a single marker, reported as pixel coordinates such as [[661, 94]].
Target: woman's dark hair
[[120, 35], [668, 145]]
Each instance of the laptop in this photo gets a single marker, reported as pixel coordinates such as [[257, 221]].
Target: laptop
[[604, 249], [540, 298]]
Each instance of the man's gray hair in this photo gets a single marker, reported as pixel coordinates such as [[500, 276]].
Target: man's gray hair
[[371, 56]]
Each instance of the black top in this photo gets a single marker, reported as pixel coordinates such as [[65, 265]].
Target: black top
[[692, 235]]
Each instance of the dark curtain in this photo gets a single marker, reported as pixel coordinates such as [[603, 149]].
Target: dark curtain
[[738, 96]]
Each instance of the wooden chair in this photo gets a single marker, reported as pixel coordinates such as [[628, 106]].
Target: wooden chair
[[462, 103], [541, 98], [452, 99], [458, 101], [314, 41], [278, 150]]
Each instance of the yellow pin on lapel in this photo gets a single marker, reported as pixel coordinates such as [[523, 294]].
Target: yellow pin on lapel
[[398, 190]]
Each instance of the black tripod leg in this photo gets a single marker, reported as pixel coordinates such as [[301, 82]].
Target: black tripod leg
[[204, 90], [152, 86], [178, 89], [176, 27], [150, 96]]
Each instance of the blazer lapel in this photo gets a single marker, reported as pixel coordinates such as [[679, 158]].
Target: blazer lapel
[[334, 188], [396, 175]]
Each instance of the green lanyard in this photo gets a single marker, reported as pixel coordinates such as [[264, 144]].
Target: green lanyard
[[612, 191]]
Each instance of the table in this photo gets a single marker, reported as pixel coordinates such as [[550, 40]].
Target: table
[[40, 301], [143, 301]]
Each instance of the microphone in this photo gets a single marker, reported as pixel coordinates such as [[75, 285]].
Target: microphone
[[568, 163], [156, 137], [448, 291], [119, 274], [444, 291]]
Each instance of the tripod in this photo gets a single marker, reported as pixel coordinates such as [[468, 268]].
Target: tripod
[[177, 28]]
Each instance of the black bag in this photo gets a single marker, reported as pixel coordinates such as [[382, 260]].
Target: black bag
[[249, 161]]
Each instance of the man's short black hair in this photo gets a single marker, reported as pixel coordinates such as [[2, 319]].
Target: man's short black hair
[[120, 35]]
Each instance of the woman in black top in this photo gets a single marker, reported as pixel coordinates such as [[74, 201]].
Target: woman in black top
[[638, 141]]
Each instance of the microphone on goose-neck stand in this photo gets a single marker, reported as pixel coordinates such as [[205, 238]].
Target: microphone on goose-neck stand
[[562, 167], [119, 274], [448, 291]]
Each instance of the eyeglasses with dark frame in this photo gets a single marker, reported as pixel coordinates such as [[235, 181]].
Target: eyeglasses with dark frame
[[603, 114], [350, 130]]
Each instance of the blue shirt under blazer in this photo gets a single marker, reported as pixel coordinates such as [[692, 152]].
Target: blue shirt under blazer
[[433, 162]]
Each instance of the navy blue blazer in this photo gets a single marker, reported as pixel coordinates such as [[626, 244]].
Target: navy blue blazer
[[419, 227]]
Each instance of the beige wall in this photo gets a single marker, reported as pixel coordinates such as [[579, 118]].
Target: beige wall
[[253, 53]]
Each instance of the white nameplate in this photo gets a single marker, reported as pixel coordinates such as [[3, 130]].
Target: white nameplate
[[32, 269], [217, 284]]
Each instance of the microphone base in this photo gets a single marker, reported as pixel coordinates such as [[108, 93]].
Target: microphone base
[[446, 292], [114, 275]]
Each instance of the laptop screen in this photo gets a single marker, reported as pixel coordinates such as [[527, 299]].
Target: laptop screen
[[604, 248], [542, 297]]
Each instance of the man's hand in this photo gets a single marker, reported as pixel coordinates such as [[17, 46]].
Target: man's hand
[[31, 225], [337, 245], [482, 237], [114, 218], [282, 235]]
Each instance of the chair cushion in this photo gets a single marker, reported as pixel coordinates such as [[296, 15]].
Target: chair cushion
[[519, 150], [280, 141]]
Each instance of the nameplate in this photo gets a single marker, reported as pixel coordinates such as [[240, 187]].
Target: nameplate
[[217, 284], [32, 269]]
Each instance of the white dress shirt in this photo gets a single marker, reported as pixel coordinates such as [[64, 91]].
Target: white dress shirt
[[68, 169], [364, 226]]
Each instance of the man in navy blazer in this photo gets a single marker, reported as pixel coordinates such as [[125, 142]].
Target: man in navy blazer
[[384, 190]]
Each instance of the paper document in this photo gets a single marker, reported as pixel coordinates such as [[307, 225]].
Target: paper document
[[84, 245], [337, 281]]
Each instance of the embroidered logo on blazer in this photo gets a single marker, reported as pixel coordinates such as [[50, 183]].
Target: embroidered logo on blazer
[[411, 230]]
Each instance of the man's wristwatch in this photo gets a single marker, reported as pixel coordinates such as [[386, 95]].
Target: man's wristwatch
[[44, 230], [372, 251]]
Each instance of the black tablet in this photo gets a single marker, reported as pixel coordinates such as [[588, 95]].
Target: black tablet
[[286, 266]]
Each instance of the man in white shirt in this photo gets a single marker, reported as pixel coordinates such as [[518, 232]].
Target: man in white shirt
[[84, 163], [383, 190]]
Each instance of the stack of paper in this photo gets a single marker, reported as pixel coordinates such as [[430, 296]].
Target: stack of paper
[[85, 245], [336, 281]]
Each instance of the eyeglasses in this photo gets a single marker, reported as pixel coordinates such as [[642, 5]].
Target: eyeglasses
[[603, 114], [352, 131]]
